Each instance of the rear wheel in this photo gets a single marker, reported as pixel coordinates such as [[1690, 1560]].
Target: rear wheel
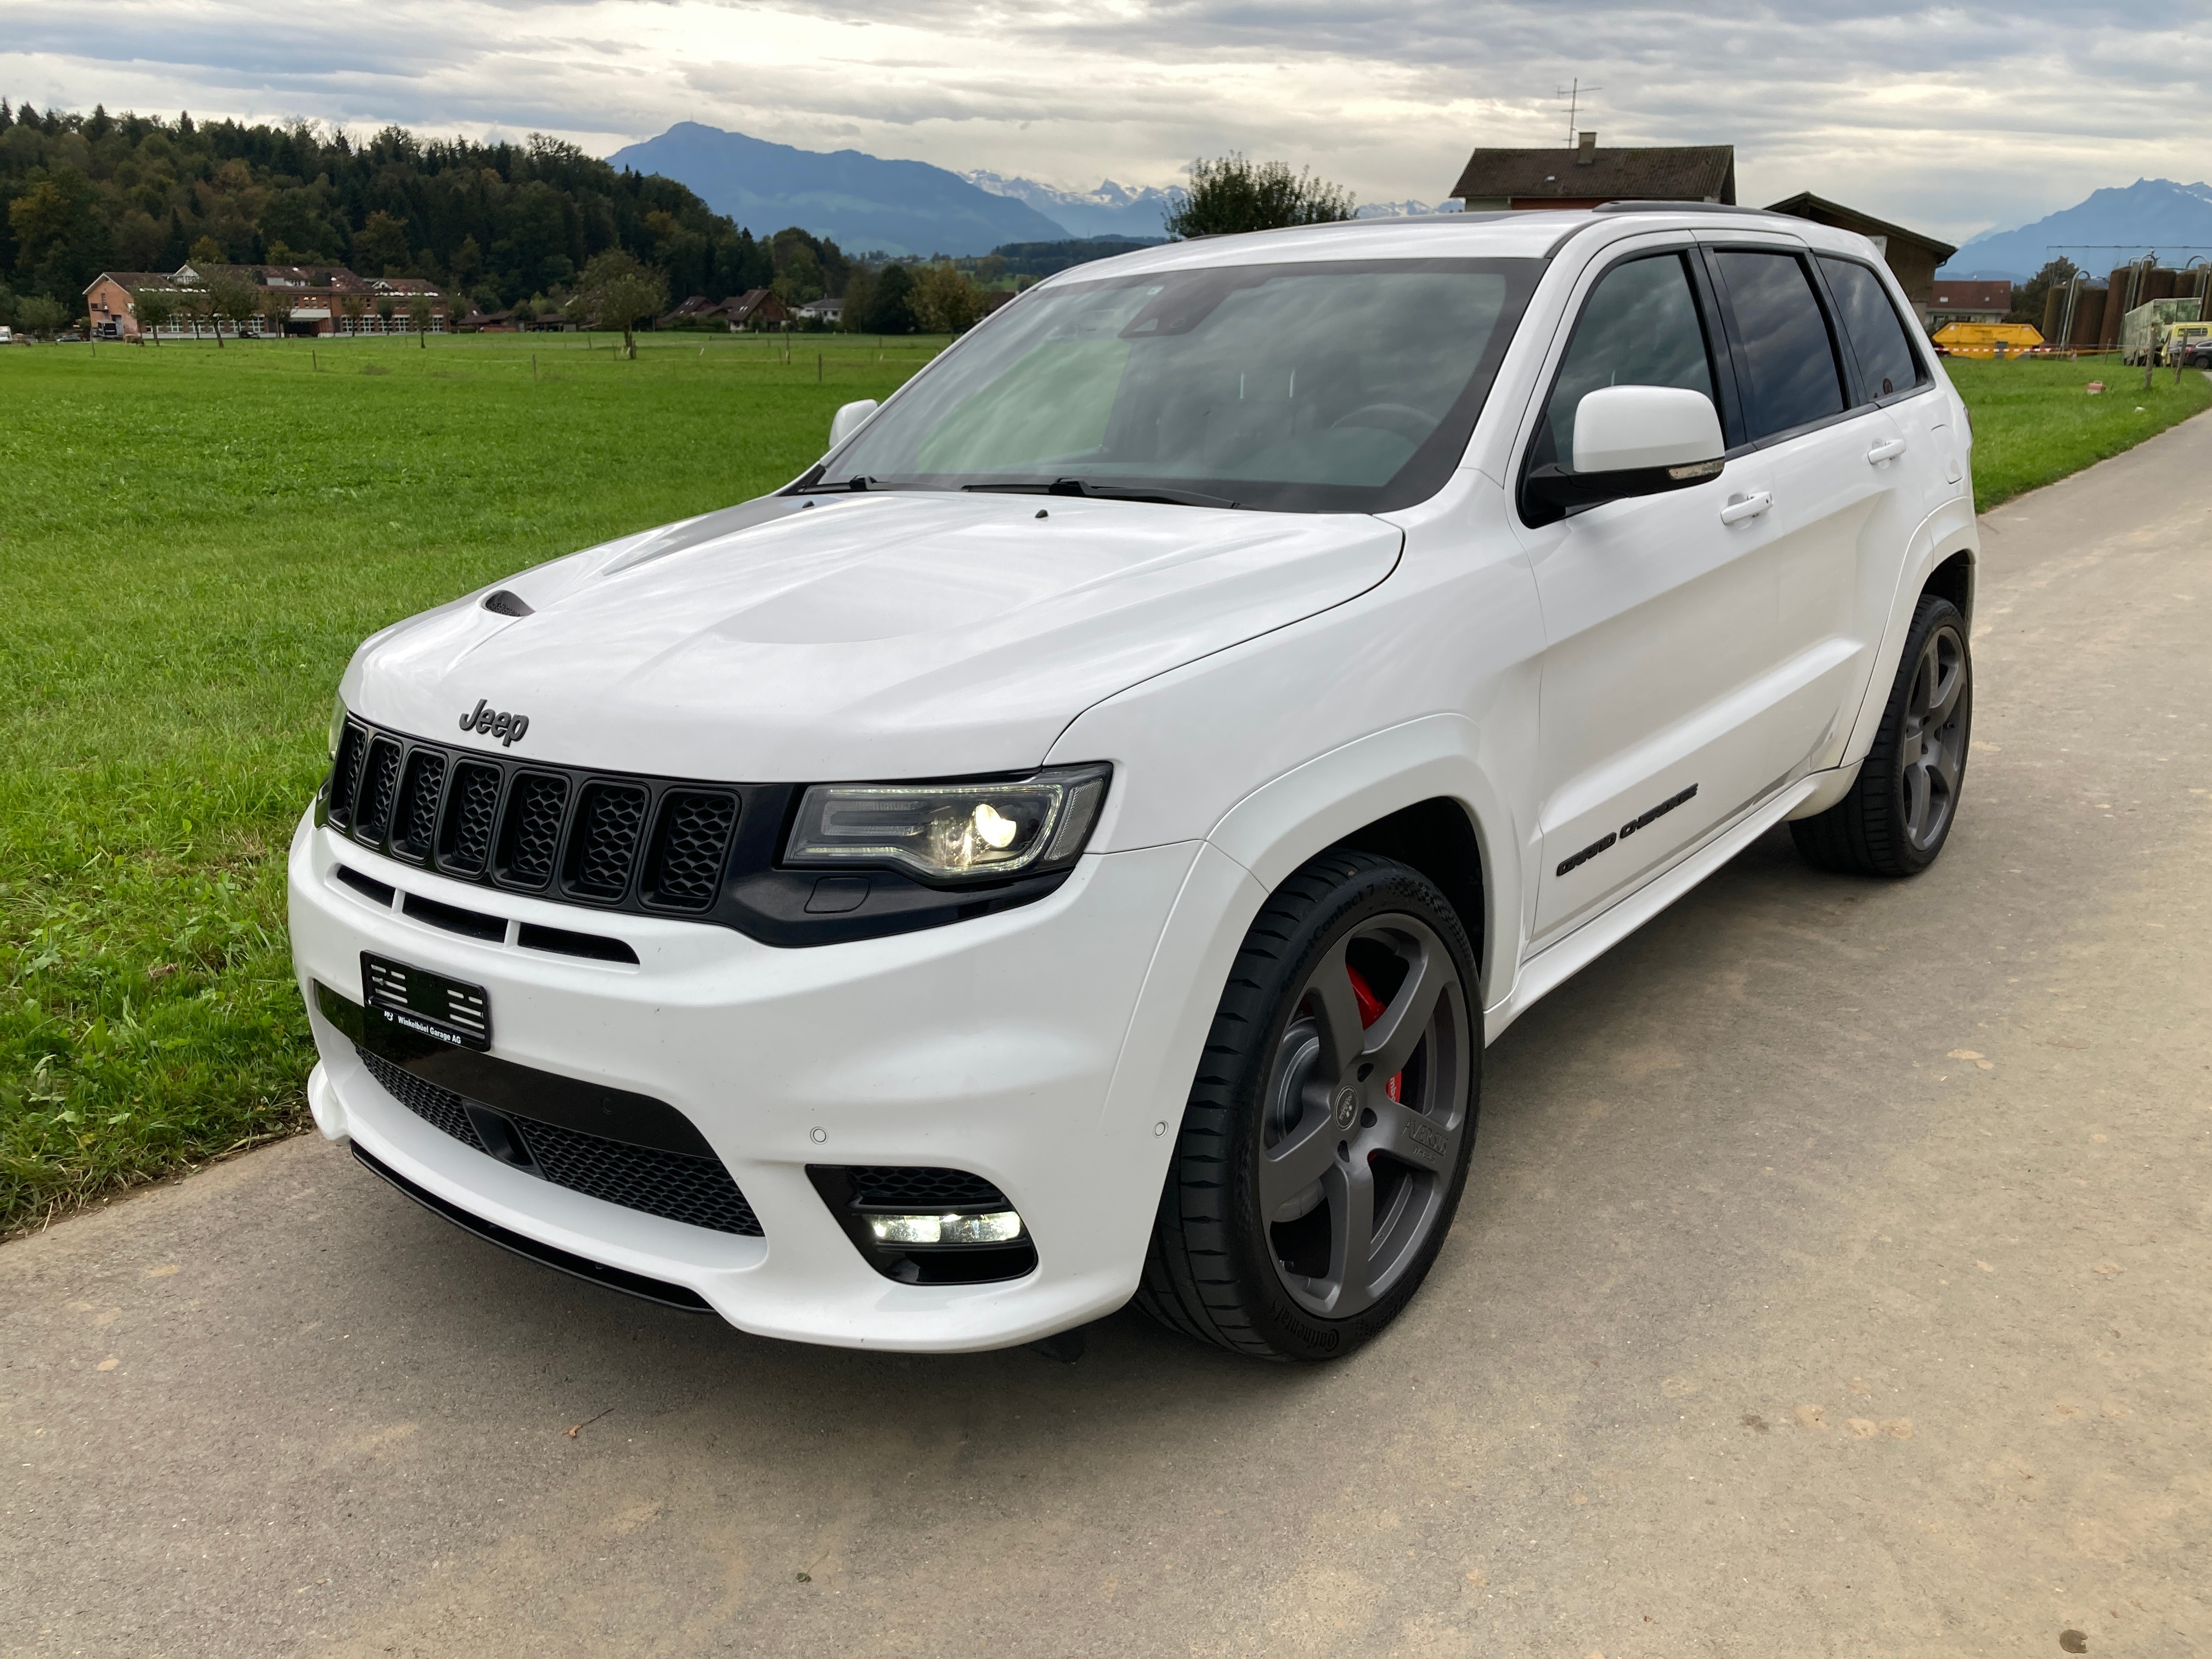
[[1327, 1136], [1900, 812]]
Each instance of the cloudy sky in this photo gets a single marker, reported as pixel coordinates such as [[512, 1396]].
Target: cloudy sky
[[1956, 119]]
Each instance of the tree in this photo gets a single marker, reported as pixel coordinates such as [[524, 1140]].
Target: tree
[[944, 300], [617, 291], [40, 316], [891, 308], [386, 309], [420, 309], [276, 311], [379, 246], [236, 301], [154, 308], [199, 306], [2029, 298], [209, 252], [1234, 194], [355, 306]]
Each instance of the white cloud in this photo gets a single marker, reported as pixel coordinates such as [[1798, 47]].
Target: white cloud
[[1953, 119]]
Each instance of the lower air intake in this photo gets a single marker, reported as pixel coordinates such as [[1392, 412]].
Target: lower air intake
[[697, 1191]]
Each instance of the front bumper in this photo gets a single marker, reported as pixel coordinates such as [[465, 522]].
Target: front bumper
[[990, 1045]]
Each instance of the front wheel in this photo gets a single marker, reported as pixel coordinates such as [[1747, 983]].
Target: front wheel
[[1327, 1136], [1901, 809]]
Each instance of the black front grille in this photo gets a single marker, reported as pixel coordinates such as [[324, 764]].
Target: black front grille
[[380, 784], [532, 836], [470, 805], [694, 845], [609, 823], [415, 830], [697, 1191], [894, 1187], [345, 772]]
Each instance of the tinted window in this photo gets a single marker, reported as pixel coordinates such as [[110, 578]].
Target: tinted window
[[1640, 328], [1887, 362], [1790, 361]]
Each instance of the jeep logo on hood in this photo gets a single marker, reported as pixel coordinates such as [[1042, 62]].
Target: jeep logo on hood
[[507, 728]]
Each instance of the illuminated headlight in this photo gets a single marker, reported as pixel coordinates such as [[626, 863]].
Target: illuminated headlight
[[999, 1227], [952, 832]]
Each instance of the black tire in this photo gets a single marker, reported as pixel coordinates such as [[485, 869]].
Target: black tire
[[1284, 1074], [1900, 812]]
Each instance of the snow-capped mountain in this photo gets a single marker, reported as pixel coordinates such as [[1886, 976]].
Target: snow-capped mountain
[[1409, 209], [1111, 210]]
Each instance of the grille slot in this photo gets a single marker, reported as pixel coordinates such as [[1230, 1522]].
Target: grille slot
[[440, 1108], [529, 835], [415, 827], [611, 819], [345, 773], [380, 785], [894, 1187], [690, 849], [697, 1191], [471, 805]]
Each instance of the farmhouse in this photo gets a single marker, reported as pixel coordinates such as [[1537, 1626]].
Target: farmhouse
[[1910, 256], [1969, 303], [1587, 176], [310, 299]]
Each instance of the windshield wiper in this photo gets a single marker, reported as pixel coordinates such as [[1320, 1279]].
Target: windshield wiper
[[1104, 492]]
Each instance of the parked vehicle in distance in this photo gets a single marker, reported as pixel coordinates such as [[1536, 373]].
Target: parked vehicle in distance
[[1075, 841], [2145, 330], [2189, 345]]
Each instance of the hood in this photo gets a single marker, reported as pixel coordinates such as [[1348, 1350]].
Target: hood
[[866, 636]]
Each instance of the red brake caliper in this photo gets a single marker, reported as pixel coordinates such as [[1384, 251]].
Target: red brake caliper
[[1370, 1010]]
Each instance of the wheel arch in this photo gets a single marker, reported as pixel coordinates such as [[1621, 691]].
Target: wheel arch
[[1953, 579]]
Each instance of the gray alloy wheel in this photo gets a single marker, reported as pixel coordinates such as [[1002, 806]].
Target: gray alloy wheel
[[1351, 1177], [1899, 810], [1934, 746], [1326, 1139]]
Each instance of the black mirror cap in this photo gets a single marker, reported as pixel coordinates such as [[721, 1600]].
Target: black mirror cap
[[1552, 492]]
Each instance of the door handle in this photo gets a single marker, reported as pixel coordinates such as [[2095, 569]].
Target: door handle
[[1746, 506], [1888, 450]]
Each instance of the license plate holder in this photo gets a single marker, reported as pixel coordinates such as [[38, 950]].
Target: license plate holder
[[430, 1004]]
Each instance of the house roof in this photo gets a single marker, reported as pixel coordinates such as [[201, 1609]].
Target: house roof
[[1978, 296], [134, 281], [1806, 205], [1684, 173]]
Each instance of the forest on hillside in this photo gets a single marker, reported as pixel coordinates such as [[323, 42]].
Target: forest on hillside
[[495, 223]]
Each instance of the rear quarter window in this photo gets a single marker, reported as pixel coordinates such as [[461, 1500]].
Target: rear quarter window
[[1888, 363]]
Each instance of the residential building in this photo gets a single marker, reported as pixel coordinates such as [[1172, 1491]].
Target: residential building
[[1969, 303], [828, 310], [1912, 255], [318, 296], [1587, 176]]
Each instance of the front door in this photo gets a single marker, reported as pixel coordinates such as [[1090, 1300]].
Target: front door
[[1658, 619]]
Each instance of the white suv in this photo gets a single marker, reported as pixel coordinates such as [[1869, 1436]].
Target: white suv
[[1075, 841]]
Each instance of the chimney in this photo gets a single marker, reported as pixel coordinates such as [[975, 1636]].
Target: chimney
[[1586, 151]]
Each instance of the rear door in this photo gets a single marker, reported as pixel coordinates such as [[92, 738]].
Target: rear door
[[1826, 503]]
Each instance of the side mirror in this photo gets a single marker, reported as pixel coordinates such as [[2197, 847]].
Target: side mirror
[[849, 419], [1635, 441]]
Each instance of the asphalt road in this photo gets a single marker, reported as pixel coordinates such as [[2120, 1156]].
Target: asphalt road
[[1832, 1279]]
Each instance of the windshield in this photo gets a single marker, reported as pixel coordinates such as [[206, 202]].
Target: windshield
[[1346, 387]]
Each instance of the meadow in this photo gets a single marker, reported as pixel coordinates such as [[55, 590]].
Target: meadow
[[192, 540]]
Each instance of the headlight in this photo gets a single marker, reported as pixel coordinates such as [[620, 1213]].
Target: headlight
[[337, 724], [952, 832]]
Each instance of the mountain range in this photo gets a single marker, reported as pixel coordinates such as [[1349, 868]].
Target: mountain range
[[2107, 230]]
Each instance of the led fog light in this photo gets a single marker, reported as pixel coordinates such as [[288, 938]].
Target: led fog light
[[1001, 1227]]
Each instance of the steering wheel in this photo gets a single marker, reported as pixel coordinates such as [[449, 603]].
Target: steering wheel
[[1407, 422]]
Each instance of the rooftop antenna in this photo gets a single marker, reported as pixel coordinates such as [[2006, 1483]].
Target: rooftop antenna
[[1573, 93]]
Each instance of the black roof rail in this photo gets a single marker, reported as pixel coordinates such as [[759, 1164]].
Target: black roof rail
[[1685, 207]]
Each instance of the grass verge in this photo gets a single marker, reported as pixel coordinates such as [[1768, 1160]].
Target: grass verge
[[192, 541], [2036, 421]]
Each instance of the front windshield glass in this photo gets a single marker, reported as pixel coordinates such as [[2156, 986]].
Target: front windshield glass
[[1346, 387]]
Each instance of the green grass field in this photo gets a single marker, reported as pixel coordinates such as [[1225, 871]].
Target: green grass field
[[192, 541], [2035, 421]]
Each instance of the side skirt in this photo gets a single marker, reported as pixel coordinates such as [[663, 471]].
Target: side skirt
[[1558, 962]]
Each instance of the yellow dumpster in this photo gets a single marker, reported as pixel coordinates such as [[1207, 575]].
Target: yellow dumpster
[[1987, 339]]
